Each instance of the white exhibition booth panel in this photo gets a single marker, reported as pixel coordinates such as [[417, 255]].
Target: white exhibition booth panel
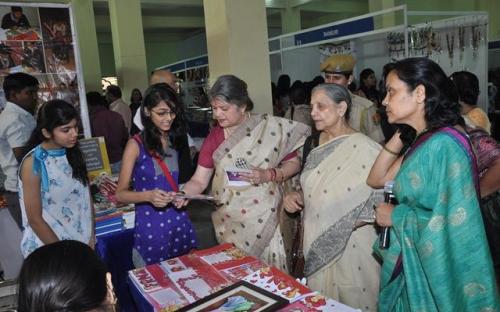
[[299, 54]]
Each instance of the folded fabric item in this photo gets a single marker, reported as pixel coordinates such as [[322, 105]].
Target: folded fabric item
[[109, 222], [107, 227], [99, 234], [114, 215]]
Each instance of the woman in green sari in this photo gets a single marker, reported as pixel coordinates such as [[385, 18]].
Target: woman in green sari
[[438, 259]]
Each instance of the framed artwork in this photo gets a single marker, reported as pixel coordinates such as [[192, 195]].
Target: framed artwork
[[241, 296]]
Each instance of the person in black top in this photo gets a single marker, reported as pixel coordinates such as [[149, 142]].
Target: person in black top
[[15, 18]]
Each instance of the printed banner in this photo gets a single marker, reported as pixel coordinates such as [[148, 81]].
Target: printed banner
[[39, 41]]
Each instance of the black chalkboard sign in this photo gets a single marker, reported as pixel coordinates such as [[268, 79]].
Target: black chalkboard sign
[[92, 153]]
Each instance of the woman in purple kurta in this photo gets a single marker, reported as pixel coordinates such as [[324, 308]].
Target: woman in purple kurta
[[160, 233], [161, 230]]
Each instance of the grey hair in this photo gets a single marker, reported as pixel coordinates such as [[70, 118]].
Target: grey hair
[[231, 89], [337, 94]]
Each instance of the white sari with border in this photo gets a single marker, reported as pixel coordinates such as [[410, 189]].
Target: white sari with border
[[339, 260]]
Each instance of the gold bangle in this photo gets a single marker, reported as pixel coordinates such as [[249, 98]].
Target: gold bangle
[[389, 151]]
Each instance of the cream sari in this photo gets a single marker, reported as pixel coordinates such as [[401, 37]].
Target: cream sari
[[339, 261], [249, 215]]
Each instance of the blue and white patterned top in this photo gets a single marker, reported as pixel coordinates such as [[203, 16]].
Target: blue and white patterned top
[[66, 205]]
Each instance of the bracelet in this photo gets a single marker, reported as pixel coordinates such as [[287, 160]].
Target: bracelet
[[389, 151], [273, 174], [282, 175]]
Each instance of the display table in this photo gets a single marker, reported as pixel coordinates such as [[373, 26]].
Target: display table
[[115, 249], [178, 282]]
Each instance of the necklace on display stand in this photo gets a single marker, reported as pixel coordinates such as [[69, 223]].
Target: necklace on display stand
[[450, 43], [461, 41], [476, 39]]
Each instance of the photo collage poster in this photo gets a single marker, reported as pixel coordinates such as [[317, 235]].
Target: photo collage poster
[[39, 42]]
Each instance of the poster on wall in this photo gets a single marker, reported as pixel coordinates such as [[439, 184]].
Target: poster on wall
[[38, 39]]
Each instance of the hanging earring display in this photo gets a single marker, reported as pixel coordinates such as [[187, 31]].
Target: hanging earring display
[[436, 42], [476, 39], [461, 41], [428, 34], [450, 44], [396, 42]]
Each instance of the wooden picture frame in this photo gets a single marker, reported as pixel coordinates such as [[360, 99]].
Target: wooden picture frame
[[242, 293]]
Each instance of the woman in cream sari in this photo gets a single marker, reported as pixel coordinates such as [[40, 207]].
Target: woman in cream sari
[[337, 203], [247, 215]]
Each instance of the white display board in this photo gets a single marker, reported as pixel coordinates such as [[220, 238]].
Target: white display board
[[298, 54], [470, 52]]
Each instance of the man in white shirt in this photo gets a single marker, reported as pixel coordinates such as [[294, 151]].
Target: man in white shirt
[[16, 124], [116, 104]]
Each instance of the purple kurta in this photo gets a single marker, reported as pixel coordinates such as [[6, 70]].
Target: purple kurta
[[160, 233]]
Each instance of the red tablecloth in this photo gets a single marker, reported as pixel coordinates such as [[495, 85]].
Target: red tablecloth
[[177, 282]]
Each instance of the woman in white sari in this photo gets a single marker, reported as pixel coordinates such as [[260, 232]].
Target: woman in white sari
[[337, 203]]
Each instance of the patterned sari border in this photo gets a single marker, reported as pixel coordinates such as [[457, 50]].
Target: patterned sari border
[[333, 241]]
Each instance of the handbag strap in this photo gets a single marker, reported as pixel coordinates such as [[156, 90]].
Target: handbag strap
[[300, 228], [162, 165]]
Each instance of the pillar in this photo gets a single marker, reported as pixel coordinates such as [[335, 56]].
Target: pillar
[[290, 20], [237, 44], [493, 8], [386, 20], [128, 45], [83, 13]]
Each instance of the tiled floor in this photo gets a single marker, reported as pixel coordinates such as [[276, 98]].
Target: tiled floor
[[200, 214], [10, 254], [7, 296]]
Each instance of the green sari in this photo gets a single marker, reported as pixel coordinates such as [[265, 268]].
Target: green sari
[[439, 258]]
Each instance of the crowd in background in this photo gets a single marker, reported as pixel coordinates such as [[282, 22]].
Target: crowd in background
[[312, 171]]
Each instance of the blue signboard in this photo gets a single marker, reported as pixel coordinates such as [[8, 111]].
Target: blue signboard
[[335, 31], [199, 61], [175, 67], [494, 45]]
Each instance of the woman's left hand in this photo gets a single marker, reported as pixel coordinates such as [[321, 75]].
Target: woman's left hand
[[255, 176], [383, 214]]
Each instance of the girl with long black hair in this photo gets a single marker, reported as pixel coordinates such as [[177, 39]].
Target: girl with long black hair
[[152, 163], [53, 185], [65, 276]]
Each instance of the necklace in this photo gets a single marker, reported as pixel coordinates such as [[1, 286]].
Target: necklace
[[461, 40], [450, 42]]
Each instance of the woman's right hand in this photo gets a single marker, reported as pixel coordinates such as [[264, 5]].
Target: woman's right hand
[[159, 198], [293, 202]]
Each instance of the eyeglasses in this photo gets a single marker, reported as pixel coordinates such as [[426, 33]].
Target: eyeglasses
[[164, 113]]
